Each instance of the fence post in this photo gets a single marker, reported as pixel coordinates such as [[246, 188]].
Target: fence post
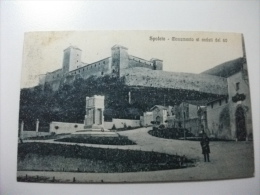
[[21, 132]]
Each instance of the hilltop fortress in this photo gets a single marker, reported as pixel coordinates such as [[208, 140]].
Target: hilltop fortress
[[137, 72], [120, 59], [223, 90]]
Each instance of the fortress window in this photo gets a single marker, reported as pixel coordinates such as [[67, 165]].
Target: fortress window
[[104, 62], [212, 105], [95, 65], [220, 102], [102, 73], [77, 61], [226, 100]]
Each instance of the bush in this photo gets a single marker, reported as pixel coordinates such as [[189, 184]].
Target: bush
[[129, 127], [113, 127], [56, 127]]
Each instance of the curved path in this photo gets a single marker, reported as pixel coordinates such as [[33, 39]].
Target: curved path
[[228, 160]]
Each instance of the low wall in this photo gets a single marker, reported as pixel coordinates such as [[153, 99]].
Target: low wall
[[27, 134], [60, 127], [119, 123]]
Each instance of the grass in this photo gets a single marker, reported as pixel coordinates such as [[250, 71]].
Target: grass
[[170, 133], [121, 140], [58, 157]]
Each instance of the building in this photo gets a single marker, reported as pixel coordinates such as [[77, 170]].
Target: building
[[230, 117], [115, 65]]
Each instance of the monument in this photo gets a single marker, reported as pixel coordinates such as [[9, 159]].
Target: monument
[[94, 118]]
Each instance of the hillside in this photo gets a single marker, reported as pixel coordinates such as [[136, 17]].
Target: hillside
[[67, 102]]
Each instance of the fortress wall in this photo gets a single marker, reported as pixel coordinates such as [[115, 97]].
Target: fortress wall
[[138, 62], [187, 81], [99, 68], [55, 75]]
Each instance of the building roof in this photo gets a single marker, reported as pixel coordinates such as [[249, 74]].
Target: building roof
[[226, 69], [118, 46], [74, 47], [159, 106]]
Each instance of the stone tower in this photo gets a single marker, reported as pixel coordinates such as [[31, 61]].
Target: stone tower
[[119, 59], [71, 59]]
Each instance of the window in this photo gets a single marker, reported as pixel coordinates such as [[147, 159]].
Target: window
[[220, 102], [102, 73], [226, 100], [237, 86], [212, 105], [104, 62]]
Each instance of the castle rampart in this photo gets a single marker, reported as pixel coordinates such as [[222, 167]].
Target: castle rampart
[[114, 65]]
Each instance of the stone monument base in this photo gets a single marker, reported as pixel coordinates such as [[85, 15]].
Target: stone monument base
[[96, 133]]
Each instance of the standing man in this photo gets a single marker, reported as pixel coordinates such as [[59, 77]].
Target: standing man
[[205, 147]]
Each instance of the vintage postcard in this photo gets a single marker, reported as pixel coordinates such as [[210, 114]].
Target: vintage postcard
[[134, 106]]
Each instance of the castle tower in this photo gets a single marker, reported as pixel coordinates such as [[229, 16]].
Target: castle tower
[[71, 59], [157, 64], [119, 59]]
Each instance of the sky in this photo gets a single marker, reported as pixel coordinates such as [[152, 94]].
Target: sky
[[191, 52]]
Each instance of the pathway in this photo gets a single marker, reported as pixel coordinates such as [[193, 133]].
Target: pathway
[[228, 160]]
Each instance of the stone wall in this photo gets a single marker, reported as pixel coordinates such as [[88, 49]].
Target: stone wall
[[98, 68], [161, 79], [138, 62], [61, 127], [243, 88], [28, 134], [218, 126], [119, 123]]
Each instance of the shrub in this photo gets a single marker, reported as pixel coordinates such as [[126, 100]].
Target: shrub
[[75, 126], [129, 127], [56, 127]]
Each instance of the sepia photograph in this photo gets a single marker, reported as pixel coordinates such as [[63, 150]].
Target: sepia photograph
[[134, 106]]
